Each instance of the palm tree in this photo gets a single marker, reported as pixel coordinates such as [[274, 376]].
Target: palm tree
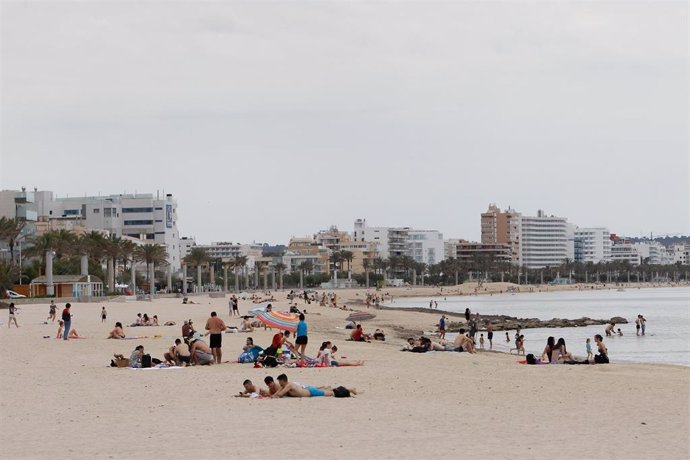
[[306, 266], [281, 269], [8, 273], [336, 259], [197, 257], [111, 250], [152, 255], [347, 256], [240, 265], [43, 247], [10, 229], [366, 264]]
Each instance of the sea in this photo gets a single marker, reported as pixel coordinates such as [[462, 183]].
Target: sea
[[667, 311]]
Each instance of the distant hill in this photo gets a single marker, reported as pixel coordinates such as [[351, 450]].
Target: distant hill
[[665, 240]]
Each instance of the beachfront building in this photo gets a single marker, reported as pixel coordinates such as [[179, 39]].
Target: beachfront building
[[653, 252], [306, 252], [470, 252], [424, 246], [678, 253], [505, 228], [622, 251], [450, 247], [141, 216], [228, 251], [547, 241], [186, 245], [592, 245]]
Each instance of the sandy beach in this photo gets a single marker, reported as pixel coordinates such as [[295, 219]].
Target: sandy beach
[[61, 398]]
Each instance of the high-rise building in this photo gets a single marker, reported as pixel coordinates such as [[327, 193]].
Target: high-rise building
[[592, 245], [623, 251], [424, 246], [547, 241], [505, 228]]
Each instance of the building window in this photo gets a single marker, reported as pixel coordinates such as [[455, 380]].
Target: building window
[[138, 222], [96, 210], [150, 236], [159, 221], [71, 212], [135, 210]]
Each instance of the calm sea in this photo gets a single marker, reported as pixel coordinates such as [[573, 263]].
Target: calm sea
[[667, 311]]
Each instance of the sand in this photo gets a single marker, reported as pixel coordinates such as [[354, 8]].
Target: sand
[[60, 398]]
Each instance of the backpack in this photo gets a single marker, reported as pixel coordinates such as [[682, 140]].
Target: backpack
[[146, 361]]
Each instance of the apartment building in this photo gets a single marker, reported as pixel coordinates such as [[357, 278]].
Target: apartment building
[[547, 241], [504, 228], [592, 245]]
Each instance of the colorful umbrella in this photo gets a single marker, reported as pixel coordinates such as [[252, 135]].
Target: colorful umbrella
[[360, 316], [279, 320]]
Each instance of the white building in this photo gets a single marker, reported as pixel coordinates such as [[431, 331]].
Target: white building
[[679, 254], [424, 246], [140, 216], [654, 251], [592, 245], [547, 241], [621, 252], [226, 250]]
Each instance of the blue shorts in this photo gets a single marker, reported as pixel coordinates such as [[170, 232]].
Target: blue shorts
[[313, 391]]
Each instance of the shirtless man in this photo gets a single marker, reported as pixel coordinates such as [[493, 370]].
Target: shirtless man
[[273, 387], [609, 328], [201, 353], [464, 343], [178, 354], [215, 327], [251, 390]]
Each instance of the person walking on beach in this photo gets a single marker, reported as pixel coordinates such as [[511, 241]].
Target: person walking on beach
[[13, 317], [507, 337], [215, 327], [588, 347], [301, 338], [104, 315], [235, 306], [467, 314], [67, 319], [637, 325], [442, 327], [52, 313]]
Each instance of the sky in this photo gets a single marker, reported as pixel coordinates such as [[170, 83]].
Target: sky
[[268, 120]]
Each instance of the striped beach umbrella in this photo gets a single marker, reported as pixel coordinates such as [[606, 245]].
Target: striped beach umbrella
[[279, 320], [360, 316]]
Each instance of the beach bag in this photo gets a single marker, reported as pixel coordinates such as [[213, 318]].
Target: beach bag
[[270, 361], [146, 361], [246, 357]]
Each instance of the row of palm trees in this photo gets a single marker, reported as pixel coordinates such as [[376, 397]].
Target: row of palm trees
[[94, 247]]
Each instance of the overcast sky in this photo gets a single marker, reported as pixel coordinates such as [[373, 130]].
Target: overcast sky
[[267, 120]]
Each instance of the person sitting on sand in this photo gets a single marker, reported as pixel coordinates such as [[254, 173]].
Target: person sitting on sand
[[178, 354], [117, 332], [136, 357], [155, 320], [463, 343], [251, 390], [61, 325], [379, 335], [246, 326], [411, 343], [562, 351], [603, 356], [358, 335], [201, 353], [187, 328], [550, 350]]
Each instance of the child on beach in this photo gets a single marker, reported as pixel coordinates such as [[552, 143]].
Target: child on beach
[[481, 341], [507, 337], [61, 324], [620, 333], [104, 315], [588, 347]]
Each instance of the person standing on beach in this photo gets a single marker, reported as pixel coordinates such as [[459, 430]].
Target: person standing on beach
[[302, 339], [67, 319], [490, 335], [104, 315], [13, 317], [215, 327], [637, 325], [643, 323], [235, 306], [467, 314], [53, 311], [507, 337]]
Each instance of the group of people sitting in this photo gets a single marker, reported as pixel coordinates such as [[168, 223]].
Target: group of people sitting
[[144, 320], [555, 352], [461, 343], [358, 334], [284, 388]]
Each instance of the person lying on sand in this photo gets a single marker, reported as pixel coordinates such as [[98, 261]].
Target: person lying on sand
[[295, 390], [273, 387], [251, 390], [117, 332]]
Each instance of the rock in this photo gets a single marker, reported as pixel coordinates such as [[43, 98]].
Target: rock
[[619, 320]]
